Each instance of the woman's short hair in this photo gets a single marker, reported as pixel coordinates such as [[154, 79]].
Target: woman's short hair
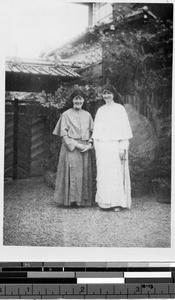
[[77, 92], [112, 89]]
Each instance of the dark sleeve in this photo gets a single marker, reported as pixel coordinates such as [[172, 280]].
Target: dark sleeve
[[62, 126], [69, 142], [61, 129]]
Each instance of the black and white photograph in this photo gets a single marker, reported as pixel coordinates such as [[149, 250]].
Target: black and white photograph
[[87, 118]]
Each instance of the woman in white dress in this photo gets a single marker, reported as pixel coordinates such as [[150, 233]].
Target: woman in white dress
[[111, 136]]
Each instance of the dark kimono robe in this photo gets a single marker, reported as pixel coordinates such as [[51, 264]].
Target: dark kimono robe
[[74, 173]]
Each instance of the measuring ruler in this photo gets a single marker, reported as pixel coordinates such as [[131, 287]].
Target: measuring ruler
[[86, 280]]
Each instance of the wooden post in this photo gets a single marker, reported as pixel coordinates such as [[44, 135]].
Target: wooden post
[[15, 140]]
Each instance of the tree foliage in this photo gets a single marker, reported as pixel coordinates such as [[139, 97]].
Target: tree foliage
[[136, 61]]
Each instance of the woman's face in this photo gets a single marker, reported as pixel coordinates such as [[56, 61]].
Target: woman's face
[[78, 102], [107, 96]]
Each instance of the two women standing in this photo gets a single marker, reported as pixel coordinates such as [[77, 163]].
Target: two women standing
[[110, 134]]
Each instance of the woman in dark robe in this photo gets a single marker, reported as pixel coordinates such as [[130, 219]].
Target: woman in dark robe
[[74, 173]]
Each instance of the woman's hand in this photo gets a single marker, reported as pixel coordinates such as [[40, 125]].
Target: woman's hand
[[80, 147], [87, 147]]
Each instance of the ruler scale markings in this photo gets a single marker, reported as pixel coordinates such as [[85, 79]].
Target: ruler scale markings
[[147, 289], [121, 292], [161, 288], [172, 288], [134, 289], [39, 289], [95, 289], [80, 289], [66, 289], [12, 289], [120, 289], [107, 289], [26, 289], [53, 289]]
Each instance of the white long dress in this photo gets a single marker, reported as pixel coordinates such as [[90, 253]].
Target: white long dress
[[111, 134]]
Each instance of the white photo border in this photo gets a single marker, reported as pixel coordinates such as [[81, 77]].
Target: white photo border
[[68, 254]]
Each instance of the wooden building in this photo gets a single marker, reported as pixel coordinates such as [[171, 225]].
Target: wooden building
[[24, 128]]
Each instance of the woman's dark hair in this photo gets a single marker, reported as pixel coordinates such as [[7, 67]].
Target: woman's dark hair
[[77, 92], [111, 88]]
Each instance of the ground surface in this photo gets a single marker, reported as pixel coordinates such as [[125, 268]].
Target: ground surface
[[32, 218]]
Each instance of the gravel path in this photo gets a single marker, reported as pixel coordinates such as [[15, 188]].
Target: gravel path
[[32, 218]]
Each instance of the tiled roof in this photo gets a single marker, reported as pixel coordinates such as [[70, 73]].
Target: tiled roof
[[40, 68]]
